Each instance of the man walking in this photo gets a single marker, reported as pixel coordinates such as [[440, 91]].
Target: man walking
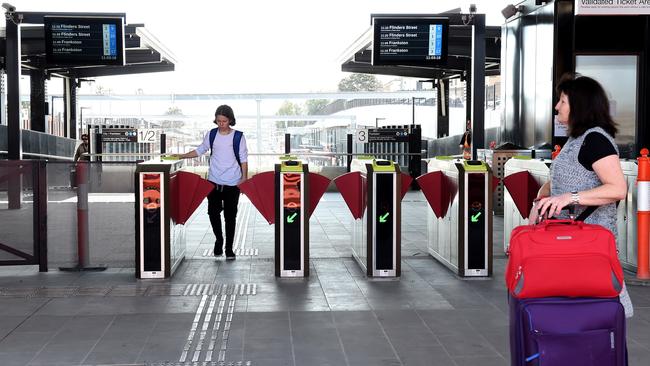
[[228, 168]]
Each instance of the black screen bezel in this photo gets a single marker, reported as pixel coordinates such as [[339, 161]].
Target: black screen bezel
[[54, 60], [379, 21]]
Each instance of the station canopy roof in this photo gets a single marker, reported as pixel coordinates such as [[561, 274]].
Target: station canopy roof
[[143, 53], [357, 57]]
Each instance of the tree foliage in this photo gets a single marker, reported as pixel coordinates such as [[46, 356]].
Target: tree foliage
[[360, 82], [314, 106], [289, 109]]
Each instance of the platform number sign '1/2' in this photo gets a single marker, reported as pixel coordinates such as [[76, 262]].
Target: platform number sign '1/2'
[[146, 136]]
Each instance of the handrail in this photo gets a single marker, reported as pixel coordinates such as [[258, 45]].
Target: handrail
[[269, 154], [43, 155]]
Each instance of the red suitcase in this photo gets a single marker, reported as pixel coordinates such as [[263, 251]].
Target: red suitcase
[[563, 258]]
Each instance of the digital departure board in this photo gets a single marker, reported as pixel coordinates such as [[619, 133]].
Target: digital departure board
[[84, 41], [410, 41]]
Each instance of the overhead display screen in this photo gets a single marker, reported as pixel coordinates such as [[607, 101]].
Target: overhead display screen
[[410, 41], [84, 41]]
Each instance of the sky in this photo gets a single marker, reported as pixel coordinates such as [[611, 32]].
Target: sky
[[251, 46]]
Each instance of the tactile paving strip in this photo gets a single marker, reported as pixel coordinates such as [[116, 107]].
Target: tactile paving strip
[[202, 363], [251, 252], [195, 289]]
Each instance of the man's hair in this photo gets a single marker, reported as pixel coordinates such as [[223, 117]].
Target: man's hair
[[226, 111], [588, 103], [84, 135]]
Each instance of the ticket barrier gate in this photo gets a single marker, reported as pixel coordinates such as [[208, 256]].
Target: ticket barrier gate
[[287, 198], [459, 193], [373, 191], [165, 198], [524, 176]]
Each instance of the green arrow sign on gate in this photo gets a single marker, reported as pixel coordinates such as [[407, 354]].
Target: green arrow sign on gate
[[291, 217], [383, 217], [475, 217]]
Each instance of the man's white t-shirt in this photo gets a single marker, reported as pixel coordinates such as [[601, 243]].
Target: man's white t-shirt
[[224, 168]]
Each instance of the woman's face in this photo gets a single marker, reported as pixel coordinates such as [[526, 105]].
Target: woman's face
[[562, 107], [223, 122]]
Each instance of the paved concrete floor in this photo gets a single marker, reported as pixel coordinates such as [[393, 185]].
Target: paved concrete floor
[[214, 312]]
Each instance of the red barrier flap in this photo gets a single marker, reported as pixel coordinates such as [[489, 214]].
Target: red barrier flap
[[350, 185], [317, 187], [174, 193], [260, 189], [437, 190], [523, 189], [188, 190], [406, 183], [495, 183]]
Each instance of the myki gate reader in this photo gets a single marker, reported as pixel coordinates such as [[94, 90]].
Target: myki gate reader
[[459, 193], [165, 197], [287, 197], [373, 191]]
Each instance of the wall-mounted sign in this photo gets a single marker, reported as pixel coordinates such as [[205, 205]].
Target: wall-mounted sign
[[388, 135], [612, 7], [119, 135]]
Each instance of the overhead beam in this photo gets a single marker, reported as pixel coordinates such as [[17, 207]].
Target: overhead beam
[[90, 72]]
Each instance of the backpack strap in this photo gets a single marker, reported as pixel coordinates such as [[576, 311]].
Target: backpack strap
[[213, 134], [588, 211], [235, 145]]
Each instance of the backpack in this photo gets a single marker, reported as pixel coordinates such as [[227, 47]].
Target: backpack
[[235, 142]]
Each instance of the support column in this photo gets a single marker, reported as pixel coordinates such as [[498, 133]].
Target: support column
[[70, 104], [37, 100], [12, 61], [14, 133], [478, 83], [443, 108]]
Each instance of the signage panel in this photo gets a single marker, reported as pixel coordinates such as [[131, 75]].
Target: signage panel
[[119, 135], [388, 135], [410, 41], [84, 41], [612, 7]]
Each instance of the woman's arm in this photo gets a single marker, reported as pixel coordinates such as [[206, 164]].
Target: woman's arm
[[244, 172], [612, 189], [188, 155]]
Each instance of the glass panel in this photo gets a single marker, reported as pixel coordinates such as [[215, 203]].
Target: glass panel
[[111, 216], [618, 75], [17, 221]]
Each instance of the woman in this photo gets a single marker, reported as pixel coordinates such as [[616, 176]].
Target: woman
[[587, 171]]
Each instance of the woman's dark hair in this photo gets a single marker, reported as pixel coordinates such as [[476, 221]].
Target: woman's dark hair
[[226, 111], [588, 103]]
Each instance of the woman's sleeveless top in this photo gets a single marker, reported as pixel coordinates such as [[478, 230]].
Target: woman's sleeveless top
[[567, 174]]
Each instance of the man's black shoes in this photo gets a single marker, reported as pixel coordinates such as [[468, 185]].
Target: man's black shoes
[[218, 250], [230, 255]]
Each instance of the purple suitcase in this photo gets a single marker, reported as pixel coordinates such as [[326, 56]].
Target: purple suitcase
[[567, 331]]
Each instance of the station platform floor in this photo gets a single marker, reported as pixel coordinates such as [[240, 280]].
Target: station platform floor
[[218, 312]]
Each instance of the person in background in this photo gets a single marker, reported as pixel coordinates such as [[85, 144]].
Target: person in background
[[83, 148], [587, 170], [226, 172]]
